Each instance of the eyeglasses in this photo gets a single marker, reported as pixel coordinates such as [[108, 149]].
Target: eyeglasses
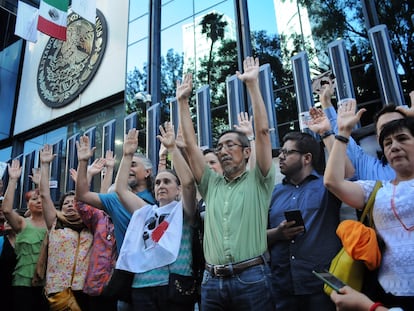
[[286, 152], [228, 146]]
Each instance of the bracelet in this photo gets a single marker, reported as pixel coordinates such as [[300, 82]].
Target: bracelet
[[342, 138], [375, 306], [327, 133], [250, 138]]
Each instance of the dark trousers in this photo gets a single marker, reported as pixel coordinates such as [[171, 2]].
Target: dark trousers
[[27, 298], [155, 299]]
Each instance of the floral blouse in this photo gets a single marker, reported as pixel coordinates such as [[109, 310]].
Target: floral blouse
[[61, 259]]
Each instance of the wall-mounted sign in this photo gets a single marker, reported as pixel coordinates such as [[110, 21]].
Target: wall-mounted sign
[[67, 67]]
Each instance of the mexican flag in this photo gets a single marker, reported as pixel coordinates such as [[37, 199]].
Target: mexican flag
[[52, 18]]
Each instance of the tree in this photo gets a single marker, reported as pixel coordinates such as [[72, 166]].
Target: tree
[[213, 27]]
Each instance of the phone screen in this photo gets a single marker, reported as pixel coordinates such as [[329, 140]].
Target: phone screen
[[330, 279], [295, 215]]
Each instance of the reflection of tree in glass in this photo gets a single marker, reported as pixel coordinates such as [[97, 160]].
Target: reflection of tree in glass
[[171, 70], [213, 27], [334, 19]]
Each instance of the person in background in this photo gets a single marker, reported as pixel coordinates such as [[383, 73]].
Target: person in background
[[366, 166], [7, 261], [30, 233], [237, 275]]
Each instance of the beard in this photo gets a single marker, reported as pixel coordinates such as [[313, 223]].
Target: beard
[[291, 170]]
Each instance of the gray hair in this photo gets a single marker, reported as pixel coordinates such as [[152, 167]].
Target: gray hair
[[145, 161]]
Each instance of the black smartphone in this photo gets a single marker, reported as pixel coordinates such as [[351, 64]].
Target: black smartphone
[[330, 280], [295, 215]]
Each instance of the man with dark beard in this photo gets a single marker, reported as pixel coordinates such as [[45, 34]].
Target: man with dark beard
[[295, 249]]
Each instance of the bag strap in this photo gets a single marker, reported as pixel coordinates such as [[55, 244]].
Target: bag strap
[[76, 260], [370, 204]]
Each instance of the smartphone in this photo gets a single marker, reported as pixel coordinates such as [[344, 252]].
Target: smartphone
[[295, 215], [330, 280]]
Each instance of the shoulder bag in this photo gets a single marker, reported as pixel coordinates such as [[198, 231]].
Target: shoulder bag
[[343, 266]]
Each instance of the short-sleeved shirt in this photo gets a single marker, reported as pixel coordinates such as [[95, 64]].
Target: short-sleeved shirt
[[292, 261], [119, 214], [236, 215], [27, 248]]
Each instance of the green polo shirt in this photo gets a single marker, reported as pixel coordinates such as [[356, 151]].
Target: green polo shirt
[[236, 215]]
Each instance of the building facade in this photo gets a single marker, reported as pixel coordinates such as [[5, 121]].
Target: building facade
[[150, 44]]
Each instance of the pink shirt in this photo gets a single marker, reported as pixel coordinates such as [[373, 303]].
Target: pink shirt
[[103, 252]]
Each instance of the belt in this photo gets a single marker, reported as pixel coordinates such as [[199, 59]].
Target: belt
[[228, 270]]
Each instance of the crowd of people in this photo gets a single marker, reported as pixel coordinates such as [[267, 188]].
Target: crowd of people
[[209, 230]]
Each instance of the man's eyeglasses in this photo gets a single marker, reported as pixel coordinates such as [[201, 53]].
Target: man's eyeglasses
[[228, 146], [287, 152]]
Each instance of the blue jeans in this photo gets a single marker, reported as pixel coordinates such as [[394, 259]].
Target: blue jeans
[[249, 290]]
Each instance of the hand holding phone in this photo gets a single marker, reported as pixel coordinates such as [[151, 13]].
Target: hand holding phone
[[295, 215], [330, 280]]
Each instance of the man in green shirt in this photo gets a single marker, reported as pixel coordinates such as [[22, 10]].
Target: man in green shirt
[[236, 274]]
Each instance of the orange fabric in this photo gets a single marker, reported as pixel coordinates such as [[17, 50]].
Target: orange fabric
[[360, 242]]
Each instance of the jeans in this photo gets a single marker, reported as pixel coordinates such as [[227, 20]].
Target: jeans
[[249, 290]]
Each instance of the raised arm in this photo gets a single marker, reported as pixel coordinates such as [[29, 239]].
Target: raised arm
[[128, 199], [245, 126], [82, 190], [196, 160], [182, 169], [320, 124], [106, 182], [14, 219], [348, 192], [49, 210], [261, 123], [162, 162]]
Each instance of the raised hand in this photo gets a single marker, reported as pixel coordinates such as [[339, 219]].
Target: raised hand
[[319, 123], [185, 87], [14, 169], [245, 124], [409, 112], [326, 92], [347, 117], [73, 174], [46, 154], [96, 167], [167, 137], [35, 177], [179, 140], [110, 158], [251, 70], [85, 152], [131, 142]]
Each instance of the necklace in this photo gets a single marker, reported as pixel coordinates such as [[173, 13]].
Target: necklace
[[394, 210]]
